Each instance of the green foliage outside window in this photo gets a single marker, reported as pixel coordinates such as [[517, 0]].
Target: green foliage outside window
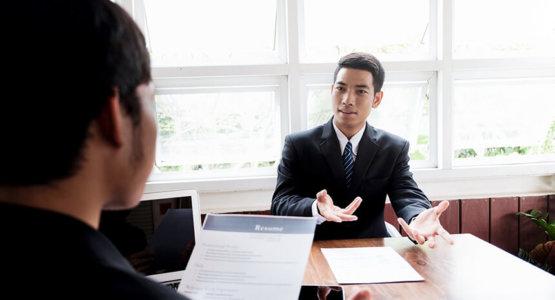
[[547, 147]]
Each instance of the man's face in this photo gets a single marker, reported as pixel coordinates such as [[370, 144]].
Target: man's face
[[140, 152], [145, 134], [353, 97]]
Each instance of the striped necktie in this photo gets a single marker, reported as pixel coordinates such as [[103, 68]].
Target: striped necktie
[[348, 163]]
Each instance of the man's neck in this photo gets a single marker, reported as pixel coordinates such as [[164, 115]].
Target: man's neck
[[349, 132], [61, 197]]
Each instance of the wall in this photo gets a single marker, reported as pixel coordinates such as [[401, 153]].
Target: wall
[[492, 219]]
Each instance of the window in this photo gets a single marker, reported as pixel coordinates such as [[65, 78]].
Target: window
[[519, 28], [503, 82], [212, 32], [497, 120], [335, 28], [469, 83], [218, 131]]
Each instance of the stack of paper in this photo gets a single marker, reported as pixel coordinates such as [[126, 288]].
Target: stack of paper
[[369, 265]]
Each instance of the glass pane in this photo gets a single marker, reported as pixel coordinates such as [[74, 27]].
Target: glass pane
[[504, 28], [335, 28], [211, 32], [503, 120], [404, 111], [218, 133]]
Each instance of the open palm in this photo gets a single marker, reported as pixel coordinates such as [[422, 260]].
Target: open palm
[[334, 213], [426, 226]]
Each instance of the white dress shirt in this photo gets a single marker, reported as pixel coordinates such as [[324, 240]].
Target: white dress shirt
[[355, 140]]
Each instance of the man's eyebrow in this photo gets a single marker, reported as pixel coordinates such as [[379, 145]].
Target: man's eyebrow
[[362, 86], [340, 83]]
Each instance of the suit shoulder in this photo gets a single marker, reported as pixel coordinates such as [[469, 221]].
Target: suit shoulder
[[306, 135]]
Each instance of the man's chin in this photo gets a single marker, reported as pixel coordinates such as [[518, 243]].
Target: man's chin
[[346, 122], [122, 203]]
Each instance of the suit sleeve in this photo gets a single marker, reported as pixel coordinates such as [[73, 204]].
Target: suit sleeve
[[287, 199], [406, 198]]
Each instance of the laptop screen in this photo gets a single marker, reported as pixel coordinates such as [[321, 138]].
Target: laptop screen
[[156, 237]]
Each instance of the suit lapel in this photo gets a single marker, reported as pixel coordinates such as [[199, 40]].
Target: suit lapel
[[329, 146], [366, 151]]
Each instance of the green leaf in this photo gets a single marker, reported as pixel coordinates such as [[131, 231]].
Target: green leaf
[[550, 230], [541, 220]]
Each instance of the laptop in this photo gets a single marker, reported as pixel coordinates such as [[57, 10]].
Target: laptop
[[157, 237]]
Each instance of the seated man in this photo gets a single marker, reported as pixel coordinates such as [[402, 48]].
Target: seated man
[[323, 169], [78, 132], [78, 136]]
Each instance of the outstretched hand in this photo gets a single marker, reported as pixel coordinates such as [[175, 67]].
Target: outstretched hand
[[334, 213], [426, 226]]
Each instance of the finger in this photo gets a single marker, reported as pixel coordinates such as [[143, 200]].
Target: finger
[[419, 238], [406, 228], [441, 207], [431, 241], [330, 216], [321, 195], [356, 201], [346, 217], [353, 206], [445, 235]]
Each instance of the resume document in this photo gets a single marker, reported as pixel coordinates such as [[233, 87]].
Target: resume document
[[249, 257]]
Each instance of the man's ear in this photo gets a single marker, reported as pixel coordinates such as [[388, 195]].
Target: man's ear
[[377, 99], [110, 121]]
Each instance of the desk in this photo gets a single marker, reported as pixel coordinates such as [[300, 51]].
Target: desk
[[469, 269]]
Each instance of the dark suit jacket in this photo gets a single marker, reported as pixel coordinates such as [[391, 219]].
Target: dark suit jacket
[[311, 161], [53, 256]]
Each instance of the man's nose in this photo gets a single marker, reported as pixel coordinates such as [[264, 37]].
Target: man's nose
[[348, 98]]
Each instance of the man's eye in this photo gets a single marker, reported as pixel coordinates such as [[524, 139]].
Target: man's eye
[[339, 88], [362, 92]]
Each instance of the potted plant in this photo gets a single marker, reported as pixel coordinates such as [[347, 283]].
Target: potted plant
[[543, 254]]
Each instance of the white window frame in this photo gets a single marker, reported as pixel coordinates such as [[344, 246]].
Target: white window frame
[[180, 85], [439, 179]]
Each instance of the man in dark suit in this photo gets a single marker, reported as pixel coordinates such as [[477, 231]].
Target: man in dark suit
[[348, 159]]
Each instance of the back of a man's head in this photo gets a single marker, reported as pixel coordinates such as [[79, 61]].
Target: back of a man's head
[[65, 59]]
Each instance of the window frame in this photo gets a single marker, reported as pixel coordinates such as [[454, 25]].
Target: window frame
[[439, 177], [180, 85]]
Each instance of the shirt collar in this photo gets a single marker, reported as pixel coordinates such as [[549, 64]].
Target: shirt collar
[[355, 140]]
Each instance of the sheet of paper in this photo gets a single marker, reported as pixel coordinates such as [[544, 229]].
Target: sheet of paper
[[369, 265], [249, 257]]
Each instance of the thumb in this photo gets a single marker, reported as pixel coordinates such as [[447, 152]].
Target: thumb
[[441, 207], [322, 195]]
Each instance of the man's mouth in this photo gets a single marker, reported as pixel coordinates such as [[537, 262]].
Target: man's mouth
[[347, 112]]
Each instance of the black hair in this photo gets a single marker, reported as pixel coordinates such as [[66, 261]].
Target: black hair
[[363, 61], [66, 59]]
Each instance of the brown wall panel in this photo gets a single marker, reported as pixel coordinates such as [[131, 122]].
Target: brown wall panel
[[475, 217], [504, 223], [530, 234], [450, 217], [551, 206]]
